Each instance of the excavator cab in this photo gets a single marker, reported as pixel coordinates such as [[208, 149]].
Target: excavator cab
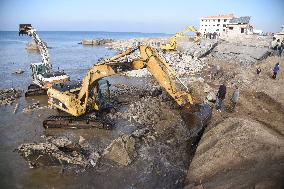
[[23, 29], [103, 94]]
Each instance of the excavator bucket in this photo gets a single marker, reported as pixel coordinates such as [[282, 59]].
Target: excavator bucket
[[196, 117], [23, 29]]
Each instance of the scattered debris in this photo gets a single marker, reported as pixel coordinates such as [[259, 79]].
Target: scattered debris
[[19, 71], [8, 96], [96, 42]]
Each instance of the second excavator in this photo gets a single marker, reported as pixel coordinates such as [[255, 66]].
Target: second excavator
[[42, 74], [173, 40], [93, 92]]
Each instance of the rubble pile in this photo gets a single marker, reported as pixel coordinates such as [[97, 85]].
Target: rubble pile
[[145, 111], [96, 42], [35, 106], [248, 40], [245, 55], [59, 151], [183, 64], [123, 45], [8, 96]]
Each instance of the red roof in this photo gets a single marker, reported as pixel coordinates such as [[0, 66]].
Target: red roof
[[228, 16]]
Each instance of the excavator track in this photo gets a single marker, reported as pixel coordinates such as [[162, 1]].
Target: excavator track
[[35, 90], [83, 122]]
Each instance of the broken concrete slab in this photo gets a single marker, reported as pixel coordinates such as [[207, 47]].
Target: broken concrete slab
[[121, 150], [58, 151]]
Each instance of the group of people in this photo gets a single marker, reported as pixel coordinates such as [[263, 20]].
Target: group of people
[[277, 46], [221, 97]]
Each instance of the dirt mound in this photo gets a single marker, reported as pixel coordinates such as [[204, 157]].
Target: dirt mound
[[235, 153]]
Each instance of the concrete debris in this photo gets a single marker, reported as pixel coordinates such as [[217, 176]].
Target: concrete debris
[[245, 55], [121, 150], [19, 71], [58, 151], [8, 96], [146, 111], [96, 42]]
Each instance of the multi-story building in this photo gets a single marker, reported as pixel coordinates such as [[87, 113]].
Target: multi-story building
[[217, 24]]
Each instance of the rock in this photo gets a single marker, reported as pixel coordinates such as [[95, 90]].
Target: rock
[[121, 150], [57, 152], [19, 71]]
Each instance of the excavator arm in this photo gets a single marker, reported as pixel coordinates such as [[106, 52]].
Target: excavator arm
[[27, 29], [173, 41]]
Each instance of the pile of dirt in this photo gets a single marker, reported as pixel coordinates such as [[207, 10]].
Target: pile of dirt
[[237, 153], [8, 96]]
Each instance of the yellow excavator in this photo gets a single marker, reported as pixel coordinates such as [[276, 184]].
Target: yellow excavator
[[173, 41], [93, 92]]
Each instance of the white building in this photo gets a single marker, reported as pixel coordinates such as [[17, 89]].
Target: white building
[[218, 24]]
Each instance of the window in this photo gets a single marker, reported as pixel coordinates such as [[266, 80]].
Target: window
[[205, 29], [218, 20], [225, 20], [213, 25], [218, 24], [223, 29], [230, 28], [242, 30], [205, 25], [217, 30], [224, 25]]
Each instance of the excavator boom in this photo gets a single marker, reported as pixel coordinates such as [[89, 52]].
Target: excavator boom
[[173, 41]]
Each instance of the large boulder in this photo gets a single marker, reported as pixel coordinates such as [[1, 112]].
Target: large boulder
[[121, 150], [238, 153]]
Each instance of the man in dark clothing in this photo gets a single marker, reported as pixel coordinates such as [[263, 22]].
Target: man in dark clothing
[[220, 97]]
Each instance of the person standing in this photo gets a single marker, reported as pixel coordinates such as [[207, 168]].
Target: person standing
[[258, 70], [235, 98], [275, 70], [220, 97]]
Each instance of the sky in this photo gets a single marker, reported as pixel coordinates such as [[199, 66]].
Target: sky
[[150, 16]]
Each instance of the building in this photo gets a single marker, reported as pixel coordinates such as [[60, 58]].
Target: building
[[280, 35], [239, 26], [218, 24]]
